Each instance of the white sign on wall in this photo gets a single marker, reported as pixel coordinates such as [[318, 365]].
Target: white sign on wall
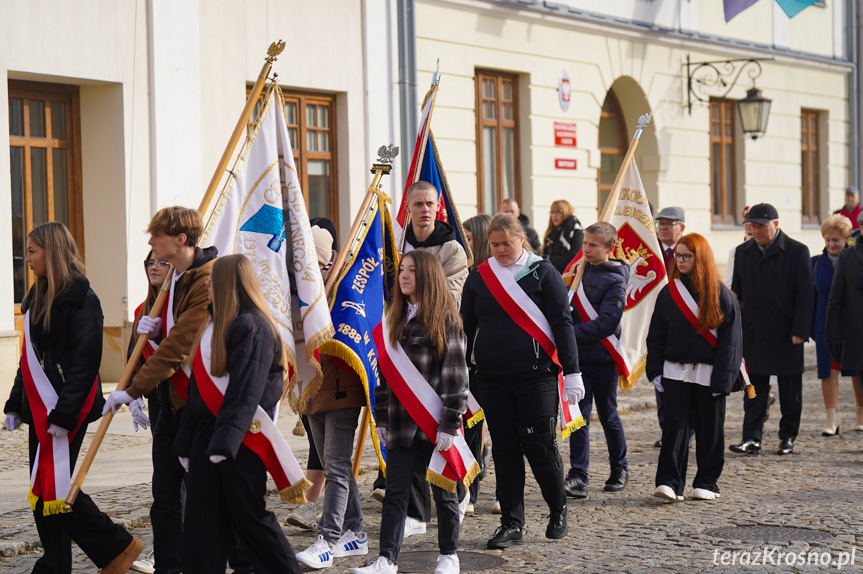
[[564, 90]]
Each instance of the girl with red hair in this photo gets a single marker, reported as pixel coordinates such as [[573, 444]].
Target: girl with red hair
[[694, 352]]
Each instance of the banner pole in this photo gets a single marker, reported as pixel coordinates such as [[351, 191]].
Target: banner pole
[[273, 52]]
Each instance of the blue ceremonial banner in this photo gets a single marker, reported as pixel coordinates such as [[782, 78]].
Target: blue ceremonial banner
[[431, 171], [357, 306]]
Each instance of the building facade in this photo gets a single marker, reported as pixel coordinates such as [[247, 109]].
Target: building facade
[[116, 109]]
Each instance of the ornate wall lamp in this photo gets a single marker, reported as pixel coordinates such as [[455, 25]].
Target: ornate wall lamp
[[718, 78]]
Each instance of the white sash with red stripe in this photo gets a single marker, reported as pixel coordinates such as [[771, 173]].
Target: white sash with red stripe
[[612, 343], [425, 407], [263, 438], [687, 305], [529, 317], [52, 471]]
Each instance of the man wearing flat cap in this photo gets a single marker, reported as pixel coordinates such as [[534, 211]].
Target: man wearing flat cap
[[851, 209], [773, 281]]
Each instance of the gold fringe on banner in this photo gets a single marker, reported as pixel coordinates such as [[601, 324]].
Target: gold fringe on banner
[[448, 484], [625, 384], [49, 507], [296, 493], [572, 427], [475, 419]]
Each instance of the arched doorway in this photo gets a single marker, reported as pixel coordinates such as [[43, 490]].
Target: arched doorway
[[613, 143]]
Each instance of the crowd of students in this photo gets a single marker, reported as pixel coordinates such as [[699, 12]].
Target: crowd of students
[[507, 333]]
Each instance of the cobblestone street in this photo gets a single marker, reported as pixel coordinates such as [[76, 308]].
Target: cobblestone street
[[816, 488]]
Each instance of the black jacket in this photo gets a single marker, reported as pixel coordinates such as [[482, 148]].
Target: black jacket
[[776, 295], [255, 378], [605, 288], [673, 338], [498, 344], [530, 233], [563, 243], [845, 308], [70, 353]]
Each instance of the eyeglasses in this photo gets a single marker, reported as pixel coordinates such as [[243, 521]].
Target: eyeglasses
[[666, 224], [162, 263], [685, 257]]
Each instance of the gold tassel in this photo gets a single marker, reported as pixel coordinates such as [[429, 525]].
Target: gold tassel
[[750, 391], [295, 494], [299, 429], [475, 419], [440, 481], [572, 427]]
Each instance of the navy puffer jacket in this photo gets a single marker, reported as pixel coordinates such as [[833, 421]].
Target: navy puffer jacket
[[605, 287]]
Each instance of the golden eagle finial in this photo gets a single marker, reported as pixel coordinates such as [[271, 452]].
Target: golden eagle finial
[[274, 50]]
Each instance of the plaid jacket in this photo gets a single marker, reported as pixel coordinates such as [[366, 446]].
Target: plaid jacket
[[447, 377]]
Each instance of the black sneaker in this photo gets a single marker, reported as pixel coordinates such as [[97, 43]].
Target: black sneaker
[[618, 480], [557, 527], [575, 487], [505, 536], [747, 446]]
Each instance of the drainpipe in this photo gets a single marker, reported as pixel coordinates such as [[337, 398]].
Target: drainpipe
[[408, 114], [854, 105]]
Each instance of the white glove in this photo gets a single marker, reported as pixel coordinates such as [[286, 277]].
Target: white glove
[[56, 431], [573, 388], [657, 382], [444, 441], [216, 458], [184, 462], [116, 400], [139, 419], [149, 326], [382, 435], [13, 421]]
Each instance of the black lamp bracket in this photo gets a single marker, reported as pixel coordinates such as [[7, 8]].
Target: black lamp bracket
[[716, 79]]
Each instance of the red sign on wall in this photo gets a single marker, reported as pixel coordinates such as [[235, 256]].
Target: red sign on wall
[[565, 164], [564, 134]]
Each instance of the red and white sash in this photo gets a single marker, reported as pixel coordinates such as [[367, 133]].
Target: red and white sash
[[474, 413], [180, 378], [687, 305], [529, 317], [263, 438], [425, 407], [52, 469], [612, 343]]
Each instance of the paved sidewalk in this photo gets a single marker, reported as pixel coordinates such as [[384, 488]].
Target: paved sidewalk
[[816, 488]]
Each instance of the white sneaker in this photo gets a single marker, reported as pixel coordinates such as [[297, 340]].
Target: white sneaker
[[379, 494], [470, 509], [145, 563], [318, 555], [414, 526], [379, 565], [496, 508], [304, 516], [351, 544], [704, 494], [666, 492], [462, 509], [447, 564]]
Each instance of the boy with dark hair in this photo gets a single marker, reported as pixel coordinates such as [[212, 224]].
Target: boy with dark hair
[[174, 233], [599, 304]]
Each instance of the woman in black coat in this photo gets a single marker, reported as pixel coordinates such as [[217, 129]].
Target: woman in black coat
[[564, 235], [694, 353], [227, 481], [63, 347]]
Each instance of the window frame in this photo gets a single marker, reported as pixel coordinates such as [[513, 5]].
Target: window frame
[[620, 123], [67, 94], [723, 218], [499, 124], [810, 191]]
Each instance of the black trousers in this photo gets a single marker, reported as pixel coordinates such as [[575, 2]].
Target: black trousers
[[419, 499], [226, 500], [166, 513], [401, 466], [685, 403], [101, 539], [790, 404], [521, 412]]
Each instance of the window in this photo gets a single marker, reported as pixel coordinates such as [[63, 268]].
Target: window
[[311, 120], [809, 164], [722, 161], [44, 149], [497, 139], [612, 146]]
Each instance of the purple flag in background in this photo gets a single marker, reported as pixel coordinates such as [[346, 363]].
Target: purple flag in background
[[790, 7], [735, 7]]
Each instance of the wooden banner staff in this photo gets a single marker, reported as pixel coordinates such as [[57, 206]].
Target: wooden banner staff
[[273, 52], [606, 213]]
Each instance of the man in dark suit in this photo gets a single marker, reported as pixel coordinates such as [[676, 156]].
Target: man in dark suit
[[773, 281]]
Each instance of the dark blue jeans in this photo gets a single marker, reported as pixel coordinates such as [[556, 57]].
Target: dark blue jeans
[[600, 385]]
